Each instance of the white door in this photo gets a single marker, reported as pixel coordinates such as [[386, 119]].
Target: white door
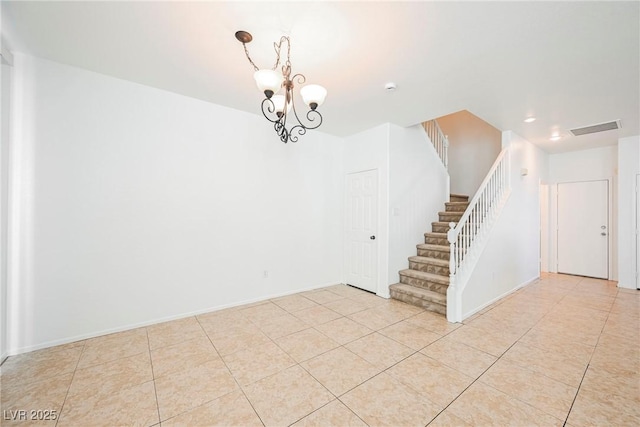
[[583, 228], [361, 248]]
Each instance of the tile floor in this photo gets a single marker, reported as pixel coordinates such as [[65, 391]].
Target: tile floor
[[562, 351]]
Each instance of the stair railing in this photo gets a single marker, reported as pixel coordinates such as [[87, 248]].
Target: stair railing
[[467, 236], [439, 140]]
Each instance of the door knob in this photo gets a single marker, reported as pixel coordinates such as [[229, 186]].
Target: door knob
[[603, 234], [373, 237]]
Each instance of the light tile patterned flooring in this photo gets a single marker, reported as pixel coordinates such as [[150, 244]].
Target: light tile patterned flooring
[[564, 350]]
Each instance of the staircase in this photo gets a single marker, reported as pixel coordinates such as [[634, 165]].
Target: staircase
[[426, 281]]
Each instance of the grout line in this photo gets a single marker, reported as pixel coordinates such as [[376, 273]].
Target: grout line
[[604, 324], [153, 377], [230, 373], [501, 356], [84, 346], [584, 374], [472, 383]]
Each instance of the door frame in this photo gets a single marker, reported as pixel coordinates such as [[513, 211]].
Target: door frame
[[637, 228], [553, 224], [544, 194]]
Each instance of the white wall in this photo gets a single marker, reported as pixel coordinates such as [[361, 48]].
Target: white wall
[[473, 147], [511, 258], [369, 150], [585, 165], [628, 168], [140, 205], [418, 189]]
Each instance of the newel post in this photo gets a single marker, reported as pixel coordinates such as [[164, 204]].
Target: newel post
[[451, 237], [452, 293]]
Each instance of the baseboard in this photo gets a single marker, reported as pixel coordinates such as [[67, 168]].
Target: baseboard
[[3, 357], [509, 292], [26, 349]]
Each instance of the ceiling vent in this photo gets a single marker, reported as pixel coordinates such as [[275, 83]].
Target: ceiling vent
[[596, 128]]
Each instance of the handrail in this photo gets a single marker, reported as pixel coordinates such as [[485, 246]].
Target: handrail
[[482, 206], [439, 140]]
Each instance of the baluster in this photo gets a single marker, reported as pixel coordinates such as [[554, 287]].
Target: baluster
[[475, 222], [446, 151], [486, 204], [504, 176], [489, 195], [472, 218], [499, 179], [497, 188], [466, 238]]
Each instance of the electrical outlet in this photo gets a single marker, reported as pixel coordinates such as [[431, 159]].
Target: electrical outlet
[[265, 274]]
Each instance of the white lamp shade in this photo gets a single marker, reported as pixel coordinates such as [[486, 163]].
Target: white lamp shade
[[278, 103], [313, 94], [268, 80]]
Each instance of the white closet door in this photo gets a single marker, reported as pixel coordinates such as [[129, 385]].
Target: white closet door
[[361, 251]]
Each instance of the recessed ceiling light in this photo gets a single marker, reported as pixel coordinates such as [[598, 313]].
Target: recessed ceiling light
[[555, 137], [390, 87], [530, 120]]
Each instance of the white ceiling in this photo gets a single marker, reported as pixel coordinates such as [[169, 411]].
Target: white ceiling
[[570, 64]]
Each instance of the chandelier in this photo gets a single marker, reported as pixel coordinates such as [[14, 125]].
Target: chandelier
[[278, 107]]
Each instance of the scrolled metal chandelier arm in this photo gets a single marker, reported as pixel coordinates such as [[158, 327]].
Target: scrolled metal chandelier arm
[[271, 83], [312, 115], [279, 122]]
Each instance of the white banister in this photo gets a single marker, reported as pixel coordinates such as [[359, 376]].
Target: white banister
[[439, 140], [467, 236]]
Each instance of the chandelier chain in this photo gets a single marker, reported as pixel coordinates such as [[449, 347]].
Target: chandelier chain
[[246, 52], [278, 48]]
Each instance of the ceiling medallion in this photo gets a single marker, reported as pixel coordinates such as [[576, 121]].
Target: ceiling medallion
[[277, 107]]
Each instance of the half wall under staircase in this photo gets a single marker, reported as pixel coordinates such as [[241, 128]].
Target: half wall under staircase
[[426, 281]]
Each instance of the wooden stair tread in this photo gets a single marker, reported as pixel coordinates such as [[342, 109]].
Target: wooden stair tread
[[427, 260], [425, 276], [421, 293]]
